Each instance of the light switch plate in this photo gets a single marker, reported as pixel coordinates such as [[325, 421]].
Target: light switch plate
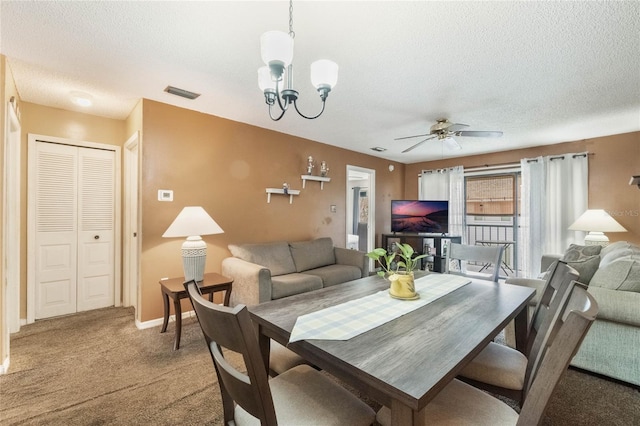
[[165, 195], [333, 208]]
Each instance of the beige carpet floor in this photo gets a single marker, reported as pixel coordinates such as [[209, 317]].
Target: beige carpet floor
[[97, 368]]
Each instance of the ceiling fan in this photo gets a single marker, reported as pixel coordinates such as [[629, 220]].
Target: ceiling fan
[[444, 130]]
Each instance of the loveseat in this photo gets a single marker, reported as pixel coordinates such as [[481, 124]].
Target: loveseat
[[263, 272], [612, 345]]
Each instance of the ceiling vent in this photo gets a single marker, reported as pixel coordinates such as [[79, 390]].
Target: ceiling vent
[[181, 92]]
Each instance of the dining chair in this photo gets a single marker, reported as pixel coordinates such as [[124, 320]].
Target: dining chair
[[281, 358], [299, 396], [460, 403], [505, 371], [461, 254]]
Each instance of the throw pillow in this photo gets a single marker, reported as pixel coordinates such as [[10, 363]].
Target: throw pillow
[[586, 267], [576, 252]]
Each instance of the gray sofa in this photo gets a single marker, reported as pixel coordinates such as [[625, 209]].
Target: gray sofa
[[612, 345], [263, 272]]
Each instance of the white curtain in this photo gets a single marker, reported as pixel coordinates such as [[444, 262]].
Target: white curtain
[[554, 195], [446, 184]]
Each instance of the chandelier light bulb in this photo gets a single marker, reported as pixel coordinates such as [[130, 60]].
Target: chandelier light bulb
[[265, 82], [276, 49], [324, 73]]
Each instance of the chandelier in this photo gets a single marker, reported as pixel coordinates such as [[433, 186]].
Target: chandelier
[[276, 49]]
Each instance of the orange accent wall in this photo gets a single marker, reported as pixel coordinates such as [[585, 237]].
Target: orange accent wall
[[612, 162], [225, 166]]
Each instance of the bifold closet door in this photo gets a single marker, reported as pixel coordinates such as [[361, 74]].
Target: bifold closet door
[[74, 220]]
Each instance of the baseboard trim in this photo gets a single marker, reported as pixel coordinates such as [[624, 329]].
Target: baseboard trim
[[4, 368], [140, 325]]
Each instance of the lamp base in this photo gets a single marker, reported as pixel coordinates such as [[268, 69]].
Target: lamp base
[[194, 256], [595, 238]]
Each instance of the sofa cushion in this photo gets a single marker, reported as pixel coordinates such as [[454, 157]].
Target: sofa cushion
[[274, 256], [336, 274], [290, 284], [617, 246], [312, 254], [621, 274], [577, 252]]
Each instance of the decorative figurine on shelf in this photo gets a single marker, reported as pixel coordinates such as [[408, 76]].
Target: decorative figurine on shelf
[[324, 169], [285, 188], [310, 165]]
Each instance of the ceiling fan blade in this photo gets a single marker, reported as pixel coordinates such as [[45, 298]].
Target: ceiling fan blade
[[478, 133], [454, 127], [418, 144], [451, 143], [411, 137]]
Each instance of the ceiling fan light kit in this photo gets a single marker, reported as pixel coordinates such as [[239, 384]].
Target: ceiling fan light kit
[[276, 49], [444, 130]]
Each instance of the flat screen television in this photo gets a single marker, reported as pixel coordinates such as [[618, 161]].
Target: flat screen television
[[420, 216]]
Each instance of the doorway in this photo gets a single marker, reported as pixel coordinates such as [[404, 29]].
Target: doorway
[[130, 283], [73, 228], [360, 211]]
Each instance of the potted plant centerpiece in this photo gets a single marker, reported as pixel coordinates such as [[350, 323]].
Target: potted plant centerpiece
[[398, 268]]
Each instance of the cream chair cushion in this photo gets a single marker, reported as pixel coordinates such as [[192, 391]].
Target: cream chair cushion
[[498, 365], [460, 404], [302, 396], [282, 359]]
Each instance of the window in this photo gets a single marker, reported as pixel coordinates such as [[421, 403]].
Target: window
[[491, 195]]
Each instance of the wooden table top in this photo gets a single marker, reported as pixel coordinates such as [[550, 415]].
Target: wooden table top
[[210, 279], [411, 358]]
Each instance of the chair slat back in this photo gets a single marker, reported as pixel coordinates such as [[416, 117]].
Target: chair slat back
[[562, 343], [474, 253], [557, 285], [231, 329]]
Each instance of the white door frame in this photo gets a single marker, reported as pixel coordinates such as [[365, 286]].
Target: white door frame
[[371, 224], [10, 275], [131, 255], [31, 287]]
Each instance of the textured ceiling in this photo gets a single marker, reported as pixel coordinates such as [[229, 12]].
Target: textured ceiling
[[542, 72]]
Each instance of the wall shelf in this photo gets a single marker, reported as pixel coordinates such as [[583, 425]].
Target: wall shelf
[[290, 193], [320, 179]]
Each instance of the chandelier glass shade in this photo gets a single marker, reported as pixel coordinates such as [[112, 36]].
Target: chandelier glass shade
[[275, 79]]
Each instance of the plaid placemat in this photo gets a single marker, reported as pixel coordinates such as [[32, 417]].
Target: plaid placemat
[[344, 321]]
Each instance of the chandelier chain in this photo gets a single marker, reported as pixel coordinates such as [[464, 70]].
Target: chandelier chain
[[292, 34]]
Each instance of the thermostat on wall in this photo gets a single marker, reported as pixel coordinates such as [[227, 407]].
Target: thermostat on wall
[[165, 195]]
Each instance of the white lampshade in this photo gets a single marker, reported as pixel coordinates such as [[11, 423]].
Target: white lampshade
[[324, 73], [597, 222], [276, 47], [265, 82], [192, 222]]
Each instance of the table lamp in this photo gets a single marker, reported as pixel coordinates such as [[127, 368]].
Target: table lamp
[[597, 222], [192, 222]]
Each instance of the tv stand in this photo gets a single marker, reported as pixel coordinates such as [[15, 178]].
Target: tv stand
[[434, 244]]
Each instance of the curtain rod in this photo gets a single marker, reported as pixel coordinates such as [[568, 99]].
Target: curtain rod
[[561, 157]]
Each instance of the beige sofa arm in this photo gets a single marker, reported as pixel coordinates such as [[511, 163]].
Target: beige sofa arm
[[535, 283], [617, 306], [353, 258], [251, 282]]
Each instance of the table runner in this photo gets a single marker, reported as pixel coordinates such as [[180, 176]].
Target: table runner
[[349, 319]]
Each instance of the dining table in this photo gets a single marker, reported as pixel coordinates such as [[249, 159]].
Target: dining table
[[405, 362]]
